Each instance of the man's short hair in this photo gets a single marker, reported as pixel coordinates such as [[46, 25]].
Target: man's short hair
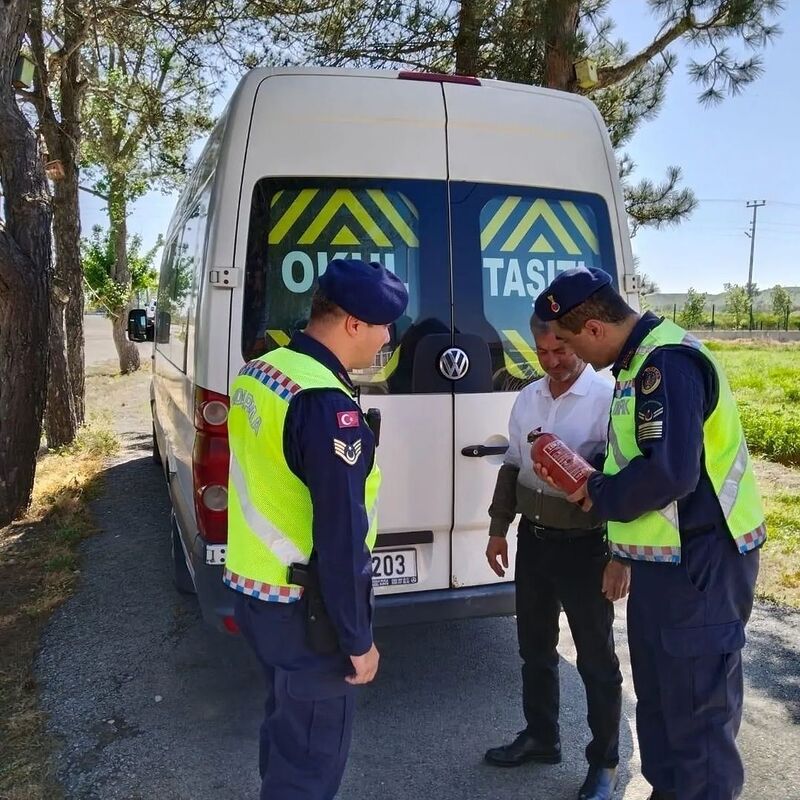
[[538, 326], [604, 305], [323, 308]]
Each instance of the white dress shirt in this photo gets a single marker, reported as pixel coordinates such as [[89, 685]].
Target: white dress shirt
[[579, 417]]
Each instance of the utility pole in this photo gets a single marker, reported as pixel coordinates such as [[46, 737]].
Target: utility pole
[[755, 205]]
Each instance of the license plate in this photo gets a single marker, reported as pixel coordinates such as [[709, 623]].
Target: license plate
[[394, 567]]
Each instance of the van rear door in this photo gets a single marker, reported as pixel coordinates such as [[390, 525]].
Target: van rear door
[[354, 166], [531, 195]]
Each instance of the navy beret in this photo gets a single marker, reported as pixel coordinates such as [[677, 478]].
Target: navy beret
[[569, 289], [368, 292]]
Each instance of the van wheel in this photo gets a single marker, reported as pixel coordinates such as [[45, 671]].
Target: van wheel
[[181, 576], [156, 451]]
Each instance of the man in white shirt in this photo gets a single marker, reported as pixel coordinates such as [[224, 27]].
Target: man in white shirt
[[562, 562]]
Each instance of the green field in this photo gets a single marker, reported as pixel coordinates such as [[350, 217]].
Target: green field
[[765, 378]]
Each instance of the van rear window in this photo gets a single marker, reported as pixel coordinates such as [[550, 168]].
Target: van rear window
[[525, 242], [509, 242], [298, 226]]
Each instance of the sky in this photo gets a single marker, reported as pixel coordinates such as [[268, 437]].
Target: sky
[[745, 149]]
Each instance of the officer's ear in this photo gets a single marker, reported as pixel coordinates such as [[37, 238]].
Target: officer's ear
[[594, 329], [353, 325]]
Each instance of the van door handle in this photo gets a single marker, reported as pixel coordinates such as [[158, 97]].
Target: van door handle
[[480, 450]]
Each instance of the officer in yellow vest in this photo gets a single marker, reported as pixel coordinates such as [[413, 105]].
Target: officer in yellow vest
[[679, 492], [303, 488]]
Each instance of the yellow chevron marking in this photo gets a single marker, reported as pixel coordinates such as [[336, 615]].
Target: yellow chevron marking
[[387, 369], [496, 222], [524, 349], [411, 207], [390, 212], [345, 238], [279, 337], [284, 224], [512, 368], [540, 208], [344, 197], [541, 245], [276, 197], [581, 224]]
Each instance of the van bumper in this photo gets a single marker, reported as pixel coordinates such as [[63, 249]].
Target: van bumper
[[439, 605]]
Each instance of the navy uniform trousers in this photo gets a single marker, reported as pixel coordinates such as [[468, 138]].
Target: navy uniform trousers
[[685, 634], [308, 714]]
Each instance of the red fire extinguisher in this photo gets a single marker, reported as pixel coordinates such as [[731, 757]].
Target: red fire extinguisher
[[567, 469]]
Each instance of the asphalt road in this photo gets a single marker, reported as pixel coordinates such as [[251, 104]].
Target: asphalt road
[[147, 703]]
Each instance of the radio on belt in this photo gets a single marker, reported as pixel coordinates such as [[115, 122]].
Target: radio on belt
[[567, 469]]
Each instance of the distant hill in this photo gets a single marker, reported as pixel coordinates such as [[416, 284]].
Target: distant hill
[[664, 301]]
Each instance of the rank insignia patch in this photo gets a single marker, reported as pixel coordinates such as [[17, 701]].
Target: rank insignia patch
[[651, 380], [650, 421], [349, 453]]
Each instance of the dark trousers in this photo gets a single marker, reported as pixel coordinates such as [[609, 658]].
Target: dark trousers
[[685, 633], [556, 573], [308, 714]]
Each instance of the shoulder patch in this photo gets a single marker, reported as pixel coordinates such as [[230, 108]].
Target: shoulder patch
[[650, 421], [348, 452], [650, 380]]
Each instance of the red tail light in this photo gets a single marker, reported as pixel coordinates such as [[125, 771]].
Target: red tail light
[[210, 460]]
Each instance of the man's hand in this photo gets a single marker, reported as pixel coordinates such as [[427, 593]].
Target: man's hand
[[616, 580], [365, 666], [497, 554]]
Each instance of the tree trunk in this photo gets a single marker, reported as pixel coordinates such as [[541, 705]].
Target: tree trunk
[[118, 214], [67, 238], [25, 259], [62, 133], [467, 40], [559, 53], [60, 424]]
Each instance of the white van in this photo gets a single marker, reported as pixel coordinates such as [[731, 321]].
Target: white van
[[476, 193]]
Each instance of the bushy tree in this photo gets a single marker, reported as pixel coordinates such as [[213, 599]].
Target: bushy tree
[[737, 303], [781, 303], [99, 260], [693, 311]]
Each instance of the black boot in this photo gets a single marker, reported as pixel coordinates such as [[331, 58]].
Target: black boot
[[656, 795], [524, 748], [600, 784]]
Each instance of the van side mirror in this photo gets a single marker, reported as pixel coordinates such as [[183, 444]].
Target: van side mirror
[[140, 329]]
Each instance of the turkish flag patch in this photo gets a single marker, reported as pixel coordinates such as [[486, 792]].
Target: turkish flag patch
[[347, 419]]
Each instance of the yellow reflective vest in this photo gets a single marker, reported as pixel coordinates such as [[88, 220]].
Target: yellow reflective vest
[[655, 536], [270, 514]]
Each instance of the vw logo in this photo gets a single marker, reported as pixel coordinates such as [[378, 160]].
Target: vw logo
[[454, 363]]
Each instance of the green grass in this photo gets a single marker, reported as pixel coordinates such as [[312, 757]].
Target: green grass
[[765, 378]]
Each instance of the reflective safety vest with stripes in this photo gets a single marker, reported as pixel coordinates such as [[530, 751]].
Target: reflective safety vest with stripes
[[269, 508], [655, 536]]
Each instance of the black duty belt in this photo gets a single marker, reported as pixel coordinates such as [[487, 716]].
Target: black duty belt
[[547, 533]]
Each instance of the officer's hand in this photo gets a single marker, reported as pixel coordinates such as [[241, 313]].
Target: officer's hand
[[581, 497], [497, 553], [616, 580], [365, 666]]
